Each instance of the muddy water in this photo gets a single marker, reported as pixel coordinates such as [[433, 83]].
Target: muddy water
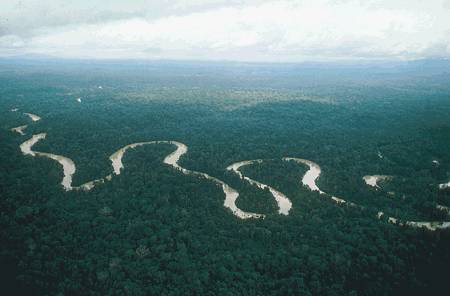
[[66, 163], [116, 160], [372, 180], [33, 116], [284, 204], [310, 177], [172, 160], [116, 157], [444, 185], [19, 129], [231, 194]]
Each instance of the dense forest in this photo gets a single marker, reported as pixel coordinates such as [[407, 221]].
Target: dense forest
[[155, 231]]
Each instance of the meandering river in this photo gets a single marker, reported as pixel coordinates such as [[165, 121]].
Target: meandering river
[[33, 117], [19, 129], [172, 159], [231, 195], [310, 177], [284, 204], [66, 163]]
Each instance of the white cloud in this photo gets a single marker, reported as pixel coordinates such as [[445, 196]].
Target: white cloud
[[256, 30]]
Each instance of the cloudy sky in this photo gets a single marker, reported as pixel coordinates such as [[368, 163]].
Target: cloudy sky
[[253, 30]]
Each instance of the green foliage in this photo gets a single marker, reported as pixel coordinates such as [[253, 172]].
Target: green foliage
[[155, 231]]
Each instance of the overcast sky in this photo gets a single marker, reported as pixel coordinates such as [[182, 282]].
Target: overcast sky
[[250, 30]]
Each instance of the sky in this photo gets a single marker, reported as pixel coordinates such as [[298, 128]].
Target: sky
[[253, 30]]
